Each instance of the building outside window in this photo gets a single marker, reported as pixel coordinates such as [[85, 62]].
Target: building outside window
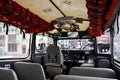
[[2, 43], [23, 49], [12, 44], [12, 47], [12, 38]]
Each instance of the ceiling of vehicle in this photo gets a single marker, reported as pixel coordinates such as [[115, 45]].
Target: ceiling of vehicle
[[75, 8], [47, 11], [56, 16]]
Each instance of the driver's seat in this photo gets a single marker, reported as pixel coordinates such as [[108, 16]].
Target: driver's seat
[[54, 61]]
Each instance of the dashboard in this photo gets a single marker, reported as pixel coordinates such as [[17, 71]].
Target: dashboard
[[75, 57]]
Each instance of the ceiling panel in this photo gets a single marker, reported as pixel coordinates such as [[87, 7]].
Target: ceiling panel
[[75, 8], [42, 8], [84, 25], [47, 11]]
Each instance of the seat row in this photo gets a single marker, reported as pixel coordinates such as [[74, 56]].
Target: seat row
[[73, 77], [34, 71], [23, 71], [88, 73]]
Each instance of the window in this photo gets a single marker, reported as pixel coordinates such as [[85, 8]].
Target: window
[[75, 44], [13, 45], [1, 27], [23, 49], [103, 44], [12, 38], [2, 37], [2, 40], [42, 42], [116, 47]]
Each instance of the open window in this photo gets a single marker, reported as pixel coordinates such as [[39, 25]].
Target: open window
[[116, 39], [14, 44], [42, 42]]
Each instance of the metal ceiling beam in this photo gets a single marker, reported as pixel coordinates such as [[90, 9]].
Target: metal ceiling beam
[[57, 8]]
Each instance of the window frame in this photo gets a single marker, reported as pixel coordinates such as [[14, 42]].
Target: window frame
[[115, 62], [42, 42], [28, 53]]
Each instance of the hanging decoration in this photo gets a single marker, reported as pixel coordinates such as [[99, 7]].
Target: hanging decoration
[[13, 13], [99, 12]]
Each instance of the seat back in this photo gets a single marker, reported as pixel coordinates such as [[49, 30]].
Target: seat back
[[73, 77], [7, 74], [103, 63], [89, 63], [54, 55], [54, 60], [29, 71], [93, 72]]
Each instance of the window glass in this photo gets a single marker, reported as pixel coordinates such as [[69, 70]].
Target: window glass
[[103, 44], [12, 37], [42, 42], [75, 44], [12, 45], [116, 46]]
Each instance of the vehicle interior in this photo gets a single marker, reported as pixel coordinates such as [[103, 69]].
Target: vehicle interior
[[59, 39]]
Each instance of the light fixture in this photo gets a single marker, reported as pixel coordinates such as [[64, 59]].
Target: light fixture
[[67, 23]]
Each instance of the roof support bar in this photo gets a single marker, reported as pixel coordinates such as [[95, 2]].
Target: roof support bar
[[57, 8]]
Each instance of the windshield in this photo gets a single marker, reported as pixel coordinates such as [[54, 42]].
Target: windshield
[[75, 44]]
